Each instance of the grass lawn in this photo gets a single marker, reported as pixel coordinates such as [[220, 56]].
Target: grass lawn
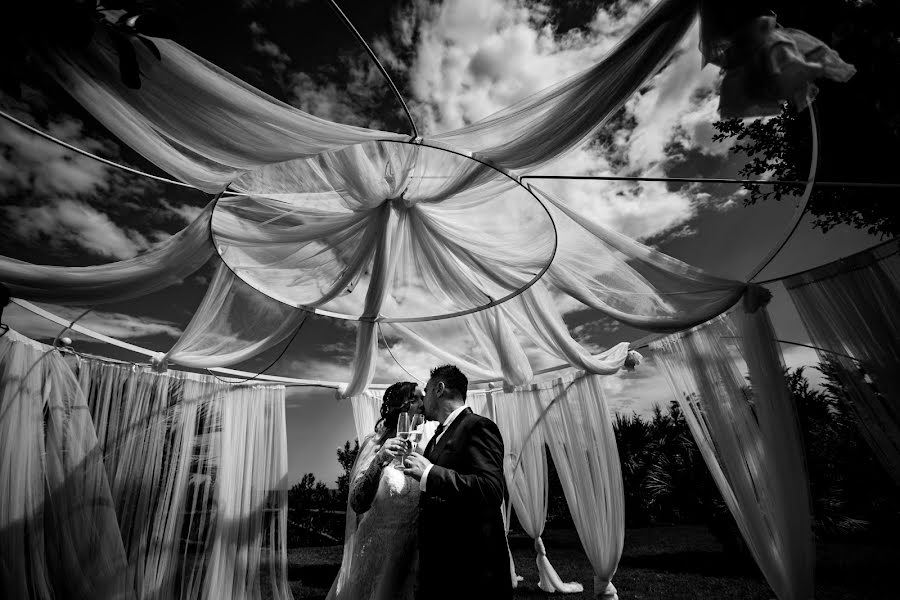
[[670, 563]]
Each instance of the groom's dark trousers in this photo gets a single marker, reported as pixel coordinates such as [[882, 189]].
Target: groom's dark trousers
[[462, 541]]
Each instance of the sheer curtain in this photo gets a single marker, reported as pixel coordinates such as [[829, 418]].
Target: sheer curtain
[[525, 467], [234, 322], [198, 473], [850, 309], [578, 430], [59, 534], [749, 438], [366, 412]]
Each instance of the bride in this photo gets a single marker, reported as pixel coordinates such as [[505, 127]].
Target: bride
[[380, 550]]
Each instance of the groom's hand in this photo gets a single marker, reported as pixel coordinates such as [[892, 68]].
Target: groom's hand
[[415, 465]]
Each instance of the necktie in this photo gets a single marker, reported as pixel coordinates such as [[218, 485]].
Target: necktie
[[439, 430]]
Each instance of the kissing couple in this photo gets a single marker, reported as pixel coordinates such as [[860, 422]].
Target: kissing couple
[[431, 528]]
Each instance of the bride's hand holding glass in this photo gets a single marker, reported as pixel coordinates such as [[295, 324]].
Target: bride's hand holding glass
[[390, 450], [409, 429]]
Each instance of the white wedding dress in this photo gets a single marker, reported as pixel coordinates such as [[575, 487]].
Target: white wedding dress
[[380, 559]]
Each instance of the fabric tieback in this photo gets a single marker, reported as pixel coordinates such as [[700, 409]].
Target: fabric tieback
[[548, 579], [159, 362], [756, 297], [632, 360], [604, 589]]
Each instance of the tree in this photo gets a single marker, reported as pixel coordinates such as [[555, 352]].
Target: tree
[[632, 439], [870, 490], [859, 120], [309, 520], [346, 457], [71, 25], [828, 443]]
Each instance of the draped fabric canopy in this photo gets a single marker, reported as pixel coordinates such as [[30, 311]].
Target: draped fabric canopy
[[418, 235], [377, 227]]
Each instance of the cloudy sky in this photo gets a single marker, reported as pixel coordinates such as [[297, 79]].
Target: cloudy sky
[[456, 61]]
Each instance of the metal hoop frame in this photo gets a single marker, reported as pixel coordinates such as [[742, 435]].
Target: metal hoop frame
[[416, 140], [460, 313]]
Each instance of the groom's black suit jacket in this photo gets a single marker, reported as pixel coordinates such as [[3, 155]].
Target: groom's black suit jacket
[[462, 540]]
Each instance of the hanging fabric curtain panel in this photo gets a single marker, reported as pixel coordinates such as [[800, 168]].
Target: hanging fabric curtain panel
[[166, 485], [850, 309]]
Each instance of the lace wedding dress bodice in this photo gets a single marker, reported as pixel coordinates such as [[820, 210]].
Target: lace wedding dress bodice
[[380, 551]]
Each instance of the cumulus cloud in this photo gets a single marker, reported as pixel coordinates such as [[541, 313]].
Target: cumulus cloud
[[185, 212], [476, 57], [117, 325], [40, 167], [58, 201], [348, 99], [61, 223]]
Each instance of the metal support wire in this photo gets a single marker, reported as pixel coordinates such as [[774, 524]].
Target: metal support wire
[[359, 37], [862, 184], [271, 364], [804, 200], [87, 154], [388, 346]]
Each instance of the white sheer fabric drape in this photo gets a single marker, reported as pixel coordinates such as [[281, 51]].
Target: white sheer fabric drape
[[765, 64], [366, 412], [160, 267], [850, 309], [192, 119], [59, 535], [577, 427], [749, 438], [411, 209], [525, 467], [542, 127], [198, 472], [481, 402], [234, 322]]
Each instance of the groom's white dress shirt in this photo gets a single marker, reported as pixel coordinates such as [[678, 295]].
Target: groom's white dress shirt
[[447, 422]]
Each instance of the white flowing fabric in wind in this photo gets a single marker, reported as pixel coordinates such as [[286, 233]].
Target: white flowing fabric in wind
[[165, 265], [356, 223], [58, 524], [850, 309], [525, 467], [577, 426], [193, 119], [749, 438]]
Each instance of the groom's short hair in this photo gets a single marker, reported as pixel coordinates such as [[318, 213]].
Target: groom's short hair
[[452, 378]]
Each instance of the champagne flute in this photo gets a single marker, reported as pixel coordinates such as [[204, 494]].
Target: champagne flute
[[403, 432], [409, 429], [416, 431]]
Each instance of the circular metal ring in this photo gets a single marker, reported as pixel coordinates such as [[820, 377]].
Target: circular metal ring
[[384, 319]]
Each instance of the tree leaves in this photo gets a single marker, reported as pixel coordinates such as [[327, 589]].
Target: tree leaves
[[152, 24], [859, 121], [129, 69], [71, 26]]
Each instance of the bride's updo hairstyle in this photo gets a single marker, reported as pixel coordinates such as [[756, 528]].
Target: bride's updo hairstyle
[[397, 399]]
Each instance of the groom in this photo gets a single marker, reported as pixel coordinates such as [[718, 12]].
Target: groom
[[462, 541]]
